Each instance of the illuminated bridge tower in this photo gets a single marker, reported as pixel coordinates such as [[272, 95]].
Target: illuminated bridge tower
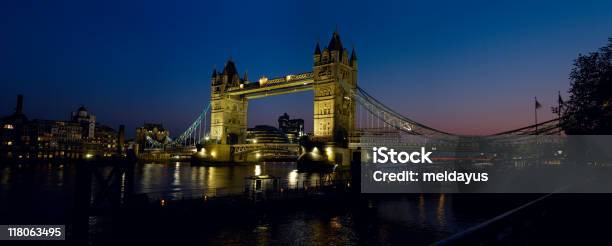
[[228, 117], [334, 109]]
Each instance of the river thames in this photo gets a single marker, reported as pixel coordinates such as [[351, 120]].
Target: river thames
[[419, 218]]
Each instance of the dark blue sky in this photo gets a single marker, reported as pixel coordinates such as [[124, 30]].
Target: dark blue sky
[[461, 66]]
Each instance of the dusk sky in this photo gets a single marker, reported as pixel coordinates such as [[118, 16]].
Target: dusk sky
[[460, 66]]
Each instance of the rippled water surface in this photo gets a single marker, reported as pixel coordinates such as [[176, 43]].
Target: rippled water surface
[[43, 194]]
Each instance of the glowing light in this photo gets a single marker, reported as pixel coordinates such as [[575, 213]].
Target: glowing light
[[258, 155], [254, 140], [241, 86], [257, 170], [293, 179], [207, 138], [8, 126], [263, 80], [162, 202], [88, 156], [315, 150], [328, 151], [213, 154], [9, 143], [288, 77]]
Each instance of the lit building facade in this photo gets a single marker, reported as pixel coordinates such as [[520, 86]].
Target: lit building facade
[[78, 138], [13, 140], [88, 121], [293, 128], [261, 134]]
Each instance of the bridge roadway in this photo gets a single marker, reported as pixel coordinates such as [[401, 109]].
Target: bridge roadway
[[276, 86], [245, 148]]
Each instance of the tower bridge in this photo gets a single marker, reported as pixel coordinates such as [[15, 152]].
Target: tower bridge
[[345, 116], [334, 108]]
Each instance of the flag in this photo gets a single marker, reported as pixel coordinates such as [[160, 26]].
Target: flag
[[537, 104]]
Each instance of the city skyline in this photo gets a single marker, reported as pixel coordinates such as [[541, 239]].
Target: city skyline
[[481, 75]]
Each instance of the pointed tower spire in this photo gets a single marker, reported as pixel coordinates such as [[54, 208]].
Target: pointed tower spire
[[245, 78], [353, 56], [335, 43], [214, 73], [317, 50], [230, 67]]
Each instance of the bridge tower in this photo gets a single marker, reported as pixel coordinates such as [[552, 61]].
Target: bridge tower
[[334, 108], [228, 115]]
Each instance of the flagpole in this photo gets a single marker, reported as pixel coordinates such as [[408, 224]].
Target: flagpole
[[560, 102], [536, 105], [535, 111]]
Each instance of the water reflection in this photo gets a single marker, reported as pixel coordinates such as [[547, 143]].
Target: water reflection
[[181, 180], [293, 179], [421, 208], [421, 217], [60, 175], [177, 174], [6, 174], [441, 209]]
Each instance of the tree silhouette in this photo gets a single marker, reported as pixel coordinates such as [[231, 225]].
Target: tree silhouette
[[589, 109]]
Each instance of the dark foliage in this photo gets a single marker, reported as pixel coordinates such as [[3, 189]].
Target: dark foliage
[[589, 109]]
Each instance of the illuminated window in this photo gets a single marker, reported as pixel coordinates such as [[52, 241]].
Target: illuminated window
[[8, 126]]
